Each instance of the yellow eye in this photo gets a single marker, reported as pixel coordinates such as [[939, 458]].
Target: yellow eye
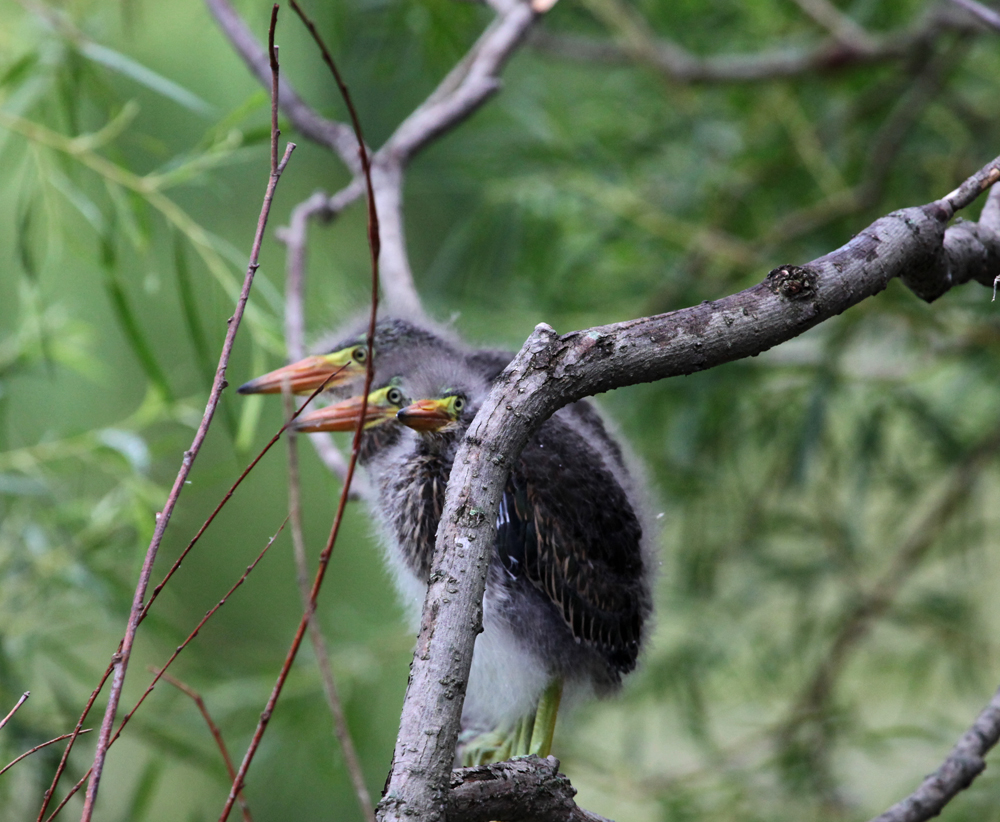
[[359, 354], [459, 404], [394, 396]]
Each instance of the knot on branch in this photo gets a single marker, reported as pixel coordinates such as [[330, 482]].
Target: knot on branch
[[926, 271], [521, 789], [793, 282], [973, 253]]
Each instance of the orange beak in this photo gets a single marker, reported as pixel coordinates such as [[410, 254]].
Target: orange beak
[[343, 416], [428, 415], [305, 376]]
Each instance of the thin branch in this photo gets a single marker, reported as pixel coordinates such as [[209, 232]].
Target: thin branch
[[841, 27], [551, 371], [340, 728], [121, 659], [680, 66], [858, 622], [18, 704], [882, 156], [213, 729], [335, 136], [466, 88], [46, 798], [324, 558], [177, 652], [321, 207], [981, 12], [13, 762], [963, 765], [470, 84]]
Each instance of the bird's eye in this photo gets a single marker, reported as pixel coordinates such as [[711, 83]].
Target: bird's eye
[[395, 396], [360, 354], [459, 403]]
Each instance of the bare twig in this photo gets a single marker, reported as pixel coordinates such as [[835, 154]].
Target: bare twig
[[964, 764], [335, 136], [324, 558], [121, 658], [170, 661], [884, 151], [18, 704], [857, 622], [13, 762], [340, 728], [679, 65], [981, 12], [551, 371], [72, 740], [213, 729], [843, 29], [322, 207], [473, 81]]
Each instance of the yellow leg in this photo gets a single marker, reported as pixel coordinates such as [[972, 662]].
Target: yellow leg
[[545, 719]]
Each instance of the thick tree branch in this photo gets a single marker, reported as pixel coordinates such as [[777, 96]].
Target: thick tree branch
[[527, 788], [551, 371]]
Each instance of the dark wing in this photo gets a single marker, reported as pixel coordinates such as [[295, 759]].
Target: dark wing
[[567, 526]]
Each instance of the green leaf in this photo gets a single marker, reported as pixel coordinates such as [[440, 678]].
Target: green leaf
[[132, 330], [145, 76]]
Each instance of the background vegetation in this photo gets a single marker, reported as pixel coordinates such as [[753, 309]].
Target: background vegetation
[[827, 608]]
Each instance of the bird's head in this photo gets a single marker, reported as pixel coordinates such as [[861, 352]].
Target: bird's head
[[437, 415], [337, 369], [343, 367], [383, 405]]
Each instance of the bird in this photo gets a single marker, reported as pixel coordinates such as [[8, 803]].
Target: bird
[[568, 590], [341, 365]]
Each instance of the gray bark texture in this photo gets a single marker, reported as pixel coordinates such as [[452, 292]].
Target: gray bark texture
[[913, 244]]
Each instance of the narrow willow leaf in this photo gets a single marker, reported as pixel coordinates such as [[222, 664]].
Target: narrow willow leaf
[[19, 69], [250, 407], [145, 76], [133, 333], [203, 354], [25, 224]]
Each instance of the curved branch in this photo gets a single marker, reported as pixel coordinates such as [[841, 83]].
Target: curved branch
[[470, 84], [551, 371], [964, 764], [678, 64], [334, 135]]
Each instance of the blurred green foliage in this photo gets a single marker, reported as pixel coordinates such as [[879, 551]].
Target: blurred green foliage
[[827, 607]]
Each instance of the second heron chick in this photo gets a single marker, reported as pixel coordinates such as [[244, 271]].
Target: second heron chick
[[568, 585]]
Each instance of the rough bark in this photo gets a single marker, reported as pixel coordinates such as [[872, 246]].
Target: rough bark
[[550, 371]]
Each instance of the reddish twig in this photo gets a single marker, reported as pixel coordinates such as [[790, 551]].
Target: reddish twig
[[13, 762], [170, 660], [324, 559], [72, 740], [272, 53], [214, 730], [173, 569], [121, 658], [340, 728], [13, 710]]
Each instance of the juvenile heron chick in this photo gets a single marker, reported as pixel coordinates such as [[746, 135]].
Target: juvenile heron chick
[[568, 586]]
